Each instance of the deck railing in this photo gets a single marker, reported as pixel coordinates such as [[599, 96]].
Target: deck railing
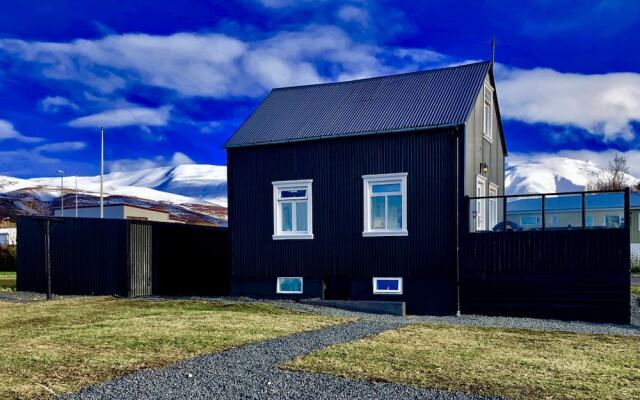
[[606, 209]]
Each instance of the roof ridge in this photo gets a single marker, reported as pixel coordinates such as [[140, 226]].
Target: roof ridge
[[284, 88]]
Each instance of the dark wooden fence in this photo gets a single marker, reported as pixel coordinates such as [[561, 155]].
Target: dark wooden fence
[[123, 257], [570, 274]]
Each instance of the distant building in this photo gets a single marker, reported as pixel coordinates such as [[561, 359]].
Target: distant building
[[120, 211], [8, 237]]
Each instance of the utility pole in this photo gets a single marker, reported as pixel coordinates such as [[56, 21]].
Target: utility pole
[[76, 195], [101, 172], [61, 172]]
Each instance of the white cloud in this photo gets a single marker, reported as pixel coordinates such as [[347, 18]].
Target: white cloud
[[60, 147], [8, 131], [178, 158], [603, 104], [351, 13], [209, 65], [133, 116], [54, 104]]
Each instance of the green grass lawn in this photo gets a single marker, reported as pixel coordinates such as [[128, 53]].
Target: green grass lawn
[[7, 281], [518, 364], [63, 345]]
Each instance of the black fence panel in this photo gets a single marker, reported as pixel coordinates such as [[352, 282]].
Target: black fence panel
[[121, 257], [88, 256], [562, 274], [190, 260]]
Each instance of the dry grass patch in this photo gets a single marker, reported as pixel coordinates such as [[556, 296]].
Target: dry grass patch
[[519, 364], [7, 281], [63, 345], [635, 290]]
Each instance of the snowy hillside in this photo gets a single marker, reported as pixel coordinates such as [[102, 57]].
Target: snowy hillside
[[182, 184], [550, 175], [196, 193]]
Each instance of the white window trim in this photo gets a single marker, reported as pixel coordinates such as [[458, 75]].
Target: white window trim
[[492, 203], [367, 181], [638, 222], [277, 234], [487, 135], [289, 291], [376, 291]]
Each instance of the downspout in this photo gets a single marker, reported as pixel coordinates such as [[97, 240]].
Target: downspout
[[458, 227]]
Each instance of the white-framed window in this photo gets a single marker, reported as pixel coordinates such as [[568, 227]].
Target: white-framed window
[[387, 285], [493, 206], [293, 209], [487, 124], [385, 205], [289, 285], [554, 220], [481, 204]]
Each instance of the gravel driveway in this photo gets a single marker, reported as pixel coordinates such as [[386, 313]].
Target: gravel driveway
[[251, 372]]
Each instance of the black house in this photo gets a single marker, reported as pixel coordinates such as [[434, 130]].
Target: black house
[[354, 190]]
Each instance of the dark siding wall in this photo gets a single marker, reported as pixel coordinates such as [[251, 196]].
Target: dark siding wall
[[190, 260], [336, 167], [565, 274], [126, 258], [84, 260]]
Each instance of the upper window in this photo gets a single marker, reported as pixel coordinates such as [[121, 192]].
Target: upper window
[[487, 127], [385, 205], [292, 210]]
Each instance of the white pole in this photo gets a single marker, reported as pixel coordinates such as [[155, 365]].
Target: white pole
[[101, 172], [76, 195]]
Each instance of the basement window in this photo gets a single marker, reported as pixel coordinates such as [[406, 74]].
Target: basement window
[[385, 205], [292, 209], [387, 285], [289, 285]]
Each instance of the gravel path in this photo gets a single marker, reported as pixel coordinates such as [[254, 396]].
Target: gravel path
[[251, 372]]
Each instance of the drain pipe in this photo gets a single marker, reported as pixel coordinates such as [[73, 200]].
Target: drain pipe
[[458, 227]]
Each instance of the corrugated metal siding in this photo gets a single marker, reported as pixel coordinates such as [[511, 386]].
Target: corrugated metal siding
[[126, 258], [140, 259], [565, 274], [336, 167], [398, 102], [84, 260]]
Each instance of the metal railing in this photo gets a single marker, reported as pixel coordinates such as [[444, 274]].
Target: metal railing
[[583, 208]]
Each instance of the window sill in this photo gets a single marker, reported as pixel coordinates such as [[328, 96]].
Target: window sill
[[388, 293], [388, 233], [488, 139], [294, 237]]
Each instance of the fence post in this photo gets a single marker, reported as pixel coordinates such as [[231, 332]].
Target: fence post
[[504, 213], [543, 218], [47, 255], [584, 217], [627, 216]]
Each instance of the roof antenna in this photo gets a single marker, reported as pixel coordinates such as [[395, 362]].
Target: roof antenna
[[493, 49]]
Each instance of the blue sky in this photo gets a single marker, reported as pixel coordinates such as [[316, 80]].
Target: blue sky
[[171, 81]]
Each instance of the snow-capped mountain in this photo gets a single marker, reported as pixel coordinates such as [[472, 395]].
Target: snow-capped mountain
[[551, 175], [187, 191]]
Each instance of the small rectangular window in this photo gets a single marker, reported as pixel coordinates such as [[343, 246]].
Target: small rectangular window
[[589, 220], [613, 221], [385, 205], [530, 220], [289, 285], [487, 124], [387, 285], [292, 209]]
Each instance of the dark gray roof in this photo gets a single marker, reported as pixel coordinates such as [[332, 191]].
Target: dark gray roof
[[438, 97]]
